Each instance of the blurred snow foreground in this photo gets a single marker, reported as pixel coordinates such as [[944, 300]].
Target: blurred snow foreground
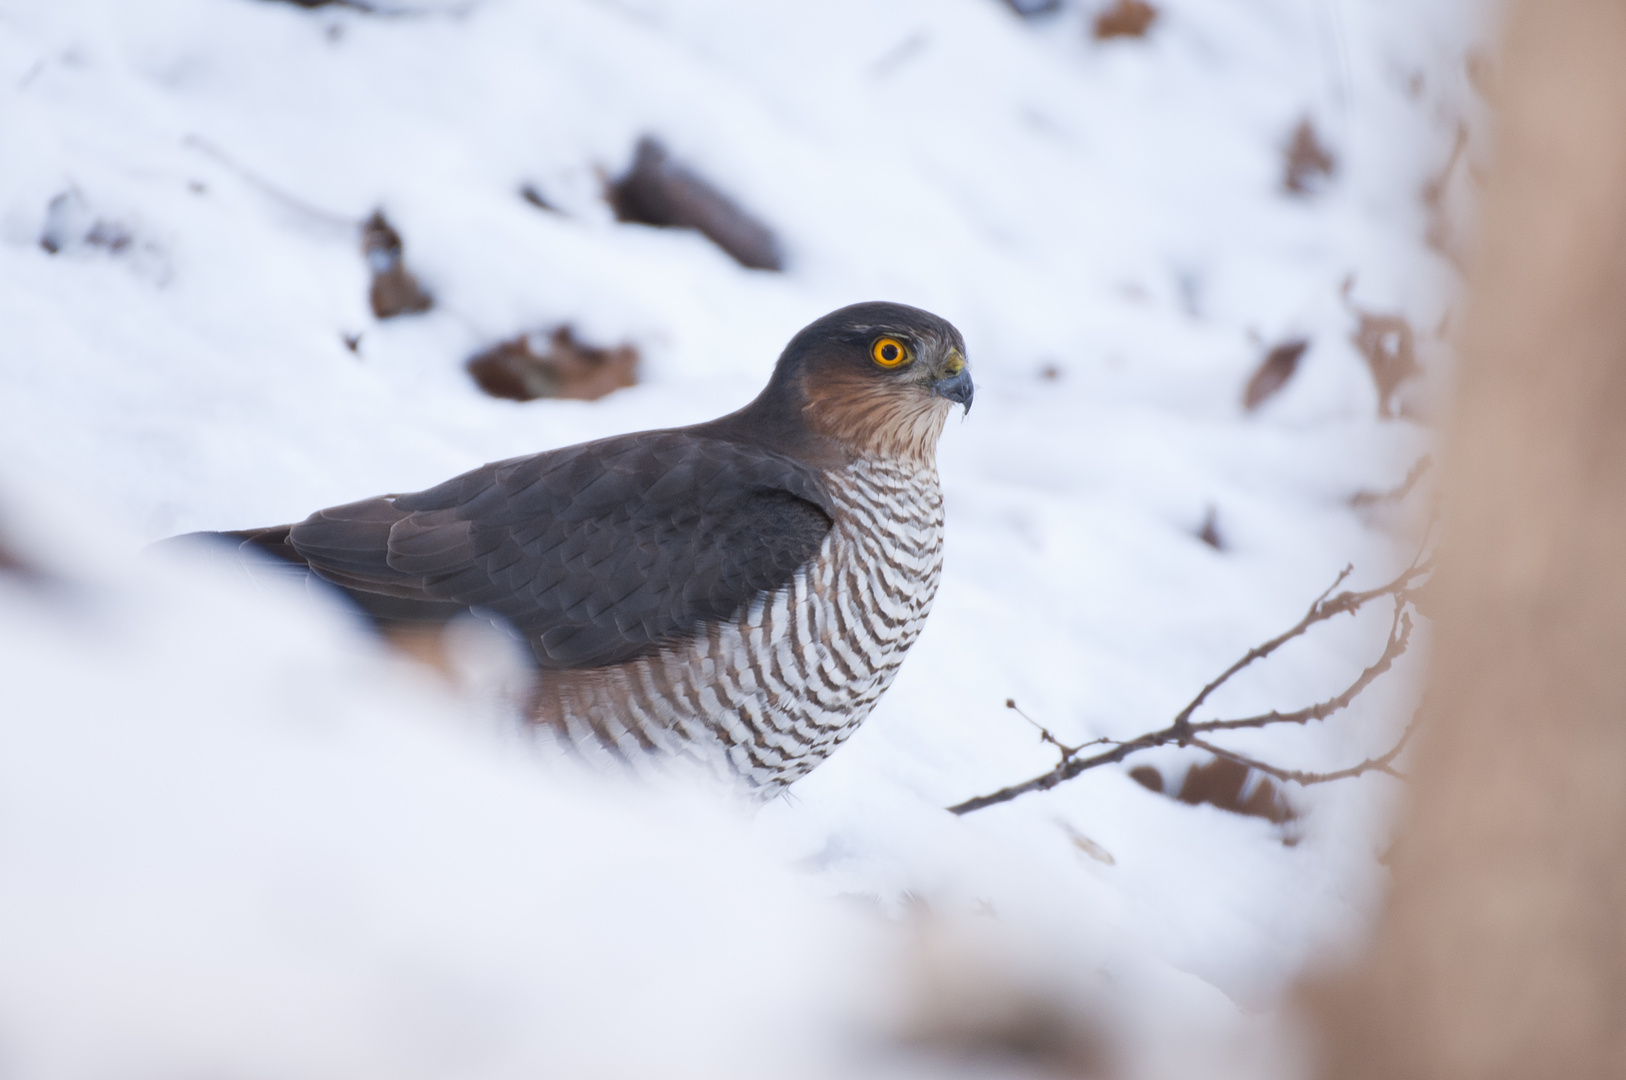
[[240, 839]]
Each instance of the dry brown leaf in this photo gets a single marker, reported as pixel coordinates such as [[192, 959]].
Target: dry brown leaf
[[1209, 533], [1390, 348], [1147, 777], [1309, 164], [1273, 372], [556, 365], [533, 195], [656, 190], [394, 290], [1126, 18], [1224, 784]]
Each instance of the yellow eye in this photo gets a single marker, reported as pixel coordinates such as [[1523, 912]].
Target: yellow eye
[[889, 352]]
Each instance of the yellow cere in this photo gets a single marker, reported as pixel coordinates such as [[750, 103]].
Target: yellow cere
[[889, 352]]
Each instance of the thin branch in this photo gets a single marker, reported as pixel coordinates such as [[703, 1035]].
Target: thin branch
[[1399, 639], [1395, 494], [1065, 771], [1320, 611], [1259, 652], [1383, 763], [1045, 734], [1182, 731]]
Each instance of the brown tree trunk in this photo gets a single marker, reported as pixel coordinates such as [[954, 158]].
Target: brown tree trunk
[[1502, 952]]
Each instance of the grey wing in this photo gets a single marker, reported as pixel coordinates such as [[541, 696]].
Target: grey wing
[[595, 553]]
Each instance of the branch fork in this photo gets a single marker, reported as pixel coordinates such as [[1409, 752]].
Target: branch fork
[[1183, 731]]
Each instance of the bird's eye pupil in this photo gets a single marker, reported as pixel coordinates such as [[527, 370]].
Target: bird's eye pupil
[[889, 352]]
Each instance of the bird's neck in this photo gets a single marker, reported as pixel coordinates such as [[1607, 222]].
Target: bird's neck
[[900, 429], [835, 428]]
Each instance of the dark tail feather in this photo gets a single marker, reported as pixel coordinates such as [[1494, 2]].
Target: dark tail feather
[[286, 564], [270, 541]]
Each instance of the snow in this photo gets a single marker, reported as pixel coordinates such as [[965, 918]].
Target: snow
[[226, 815]]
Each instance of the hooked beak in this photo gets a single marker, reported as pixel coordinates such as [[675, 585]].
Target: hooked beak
[[956, 381]]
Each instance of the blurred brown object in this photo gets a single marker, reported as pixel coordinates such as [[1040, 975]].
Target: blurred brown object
[[1390, 348], [1209, 532], [19, 569], [394, 291], [1366, 498], [1273, 372], [1502, 952], [1147, 777], [523, 368], [1126, 18], [1309, 164], [983, 990], [1224, 784], [533, 195], [655, 190], [13, 564], [1481, 75], [1442, 234]]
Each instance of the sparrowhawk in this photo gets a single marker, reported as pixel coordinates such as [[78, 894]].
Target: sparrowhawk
[[739, 592]]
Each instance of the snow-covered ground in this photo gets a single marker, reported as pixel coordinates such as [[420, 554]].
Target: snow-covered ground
[[238, 838]]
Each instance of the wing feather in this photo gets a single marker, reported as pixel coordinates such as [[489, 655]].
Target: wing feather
[[596, 553]]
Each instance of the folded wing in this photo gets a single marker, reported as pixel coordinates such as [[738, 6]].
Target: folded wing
[[596, 553]]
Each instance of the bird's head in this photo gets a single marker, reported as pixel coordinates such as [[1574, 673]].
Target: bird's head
[[879, 379]]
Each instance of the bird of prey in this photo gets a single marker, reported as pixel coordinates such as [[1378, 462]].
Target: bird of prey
[[738, 593]]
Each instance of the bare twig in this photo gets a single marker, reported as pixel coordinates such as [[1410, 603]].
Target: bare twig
[[1183, 732], [1383, 763], [1393, 495], [1399, 639], [1045, 734], [1434, 188]]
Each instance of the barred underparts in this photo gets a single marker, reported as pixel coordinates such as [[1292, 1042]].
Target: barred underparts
[[768, 695]]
